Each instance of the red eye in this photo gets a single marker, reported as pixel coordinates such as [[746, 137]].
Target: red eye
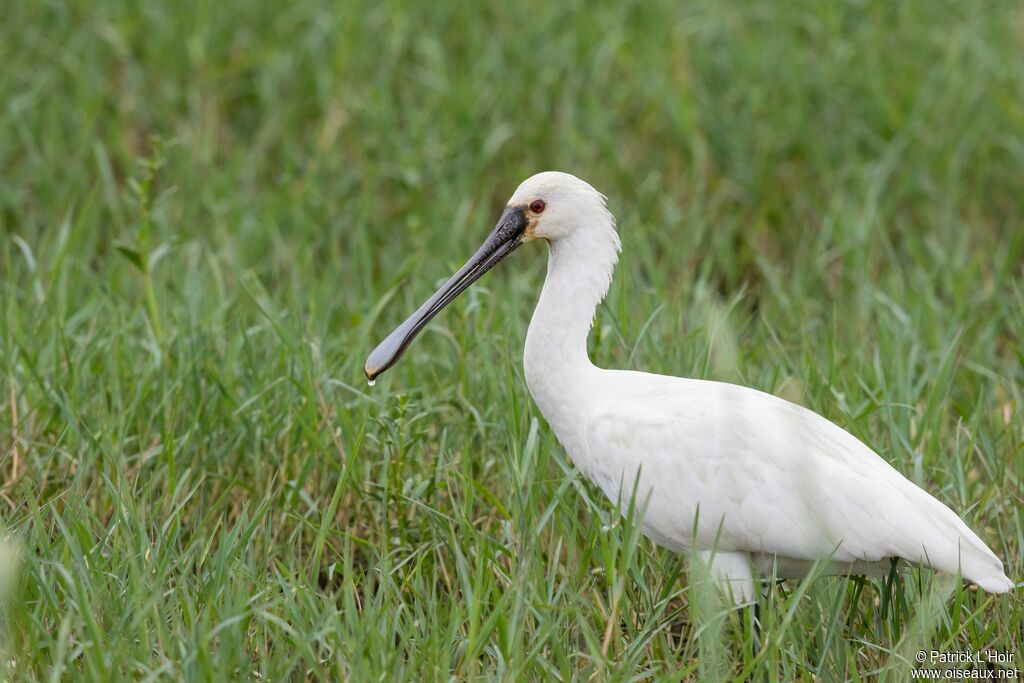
[[537, 205]]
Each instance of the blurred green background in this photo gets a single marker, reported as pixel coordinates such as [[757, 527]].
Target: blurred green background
[[210, 212]]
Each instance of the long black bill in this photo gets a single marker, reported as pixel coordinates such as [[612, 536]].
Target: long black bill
[[503, 240]]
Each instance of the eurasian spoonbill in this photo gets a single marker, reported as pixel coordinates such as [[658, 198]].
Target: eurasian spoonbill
[[742, 478]]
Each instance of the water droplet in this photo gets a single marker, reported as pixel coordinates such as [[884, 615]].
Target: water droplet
[[371, 382]]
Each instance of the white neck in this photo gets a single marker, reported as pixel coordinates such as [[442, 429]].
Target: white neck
[[555, 359]]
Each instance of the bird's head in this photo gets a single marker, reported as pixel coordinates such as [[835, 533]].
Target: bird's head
[[554, 205], [549, 205]]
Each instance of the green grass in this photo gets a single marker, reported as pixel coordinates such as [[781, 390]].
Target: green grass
[[209, 216]]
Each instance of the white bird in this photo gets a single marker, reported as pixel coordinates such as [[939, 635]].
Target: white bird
[[744, 479]]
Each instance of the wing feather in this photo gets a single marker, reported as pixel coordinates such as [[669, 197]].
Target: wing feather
[[764, 475]]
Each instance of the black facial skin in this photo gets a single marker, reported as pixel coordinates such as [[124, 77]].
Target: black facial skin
[[503, 240]]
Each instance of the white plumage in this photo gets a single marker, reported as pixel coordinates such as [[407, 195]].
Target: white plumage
[[740, 476]]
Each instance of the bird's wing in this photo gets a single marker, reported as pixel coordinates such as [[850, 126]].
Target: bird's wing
[[733, 468]]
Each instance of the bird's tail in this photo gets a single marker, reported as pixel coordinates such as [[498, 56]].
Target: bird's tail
[[960, 549]]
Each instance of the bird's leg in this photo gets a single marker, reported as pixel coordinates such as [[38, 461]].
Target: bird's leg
[[732, 573]]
